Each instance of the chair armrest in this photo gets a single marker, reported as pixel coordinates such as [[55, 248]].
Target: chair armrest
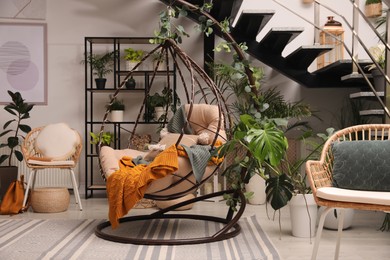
[[318, 175]]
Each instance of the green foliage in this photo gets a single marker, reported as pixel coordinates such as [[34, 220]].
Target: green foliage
[[133, 55], [168, 29], [106, 137], [166, 98], [101, 63], [370, 2], [21, 111], [116, 104]]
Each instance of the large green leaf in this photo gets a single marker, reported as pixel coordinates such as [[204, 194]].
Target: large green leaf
[[279, 191], [267, 144]]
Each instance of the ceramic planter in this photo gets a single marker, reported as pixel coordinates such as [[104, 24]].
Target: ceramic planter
[[301, 224], [379, 80], [116, 115], [307, 1], [331, 221], [130, 65], [158, 112], [130, 83], [256, 185], [100, 83]]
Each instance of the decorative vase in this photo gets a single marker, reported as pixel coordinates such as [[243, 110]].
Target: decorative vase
[[130, 83], [373, 10], [116, 116], [256, 185], [100, 83], [158, 112], [331, 221], [301, 224], [130, 65], [379, 80]]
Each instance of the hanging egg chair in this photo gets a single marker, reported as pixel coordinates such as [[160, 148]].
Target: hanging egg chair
[[192, 135]]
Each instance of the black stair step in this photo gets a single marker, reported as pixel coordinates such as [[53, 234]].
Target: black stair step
[[366, 94], [225, 9], [341, 67], [302, 57], [277, 38], [250, 23]]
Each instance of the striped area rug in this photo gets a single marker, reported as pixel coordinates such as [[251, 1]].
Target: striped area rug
[[75, 239]]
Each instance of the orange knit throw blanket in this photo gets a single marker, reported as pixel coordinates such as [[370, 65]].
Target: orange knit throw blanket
[[127, 186]]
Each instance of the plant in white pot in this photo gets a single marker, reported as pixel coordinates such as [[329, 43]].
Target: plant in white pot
[[20, 110], [116, 108], [132, 58]]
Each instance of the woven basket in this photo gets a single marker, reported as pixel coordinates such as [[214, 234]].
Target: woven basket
[[50, 200]]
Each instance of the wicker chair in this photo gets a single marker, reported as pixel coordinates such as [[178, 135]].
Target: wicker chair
[[320, 175], [37, 158]]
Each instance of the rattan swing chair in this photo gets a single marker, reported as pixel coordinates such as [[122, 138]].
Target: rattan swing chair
[[203, 90]]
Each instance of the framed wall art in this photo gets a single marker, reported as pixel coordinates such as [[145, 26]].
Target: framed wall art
[[23, 61]]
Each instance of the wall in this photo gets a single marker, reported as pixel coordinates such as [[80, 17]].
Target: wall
[[69, 21]]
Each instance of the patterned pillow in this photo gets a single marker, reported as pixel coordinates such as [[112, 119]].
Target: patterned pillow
[[362, 165]]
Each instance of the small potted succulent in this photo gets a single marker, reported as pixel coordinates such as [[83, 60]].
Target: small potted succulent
[[21, 111], [132, 57]]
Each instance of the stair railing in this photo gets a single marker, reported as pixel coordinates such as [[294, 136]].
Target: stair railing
[[356, 40]]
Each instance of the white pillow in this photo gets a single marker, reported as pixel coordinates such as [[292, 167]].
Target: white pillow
[[57, 141]]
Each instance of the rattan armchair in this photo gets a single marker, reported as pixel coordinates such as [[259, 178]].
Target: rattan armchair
[[36, 160], [320, 175]]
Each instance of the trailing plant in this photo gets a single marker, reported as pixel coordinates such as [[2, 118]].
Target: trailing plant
[[21, 111], [101, 63]]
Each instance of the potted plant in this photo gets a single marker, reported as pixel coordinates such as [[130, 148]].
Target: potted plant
[[21, 111], [107, 138], [132, 57], [373, 8], [101, 66], [116, 108], [158, 104], [378, 53]]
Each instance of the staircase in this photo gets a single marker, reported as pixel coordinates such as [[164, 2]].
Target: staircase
[[269, 49]]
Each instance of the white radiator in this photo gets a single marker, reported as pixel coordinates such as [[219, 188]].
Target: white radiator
[[44, 177]]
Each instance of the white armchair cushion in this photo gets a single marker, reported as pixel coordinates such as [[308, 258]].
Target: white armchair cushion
[[358, 196], [57, 141]]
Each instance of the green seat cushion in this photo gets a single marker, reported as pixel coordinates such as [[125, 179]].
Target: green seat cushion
[[362, 165]]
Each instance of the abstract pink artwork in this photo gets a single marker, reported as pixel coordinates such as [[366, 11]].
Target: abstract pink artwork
[[23, 55]]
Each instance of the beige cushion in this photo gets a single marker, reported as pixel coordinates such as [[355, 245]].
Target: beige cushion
[[204, 119], [358, 196], [57, 141]]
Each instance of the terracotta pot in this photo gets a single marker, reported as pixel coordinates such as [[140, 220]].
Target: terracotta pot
[[373, 10]]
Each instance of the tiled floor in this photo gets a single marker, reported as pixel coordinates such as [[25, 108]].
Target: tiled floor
[[362, 241]]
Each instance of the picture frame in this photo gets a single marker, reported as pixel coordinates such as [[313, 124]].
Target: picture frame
[[23, 61]]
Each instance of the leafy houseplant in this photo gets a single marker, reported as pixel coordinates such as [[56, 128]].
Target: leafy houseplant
[[116, 108], [101, 66], [107, 138], [161, 102], [21, 111], [132, 57], [378, 53], [158, 58]]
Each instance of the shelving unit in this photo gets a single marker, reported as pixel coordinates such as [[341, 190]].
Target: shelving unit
[[96, 99]]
